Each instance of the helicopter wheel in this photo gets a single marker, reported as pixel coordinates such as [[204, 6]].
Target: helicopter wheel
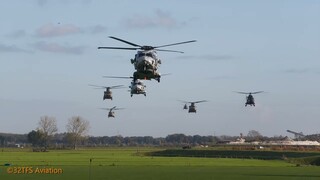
[[131, 95], [145, 94]]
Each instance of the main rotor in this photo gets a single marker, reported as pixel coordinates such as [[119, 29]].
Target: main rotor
[[106, 87], [145, 47], [111, 109], [193, 102], [257, 92]]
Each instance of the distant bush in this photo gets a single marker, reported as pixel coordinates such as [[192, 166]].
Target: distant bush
[[314, 161]]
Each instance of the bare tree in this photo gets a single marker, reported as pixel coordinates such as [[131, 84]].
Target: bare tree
[[77, 129], [48, 127], [254, 135]]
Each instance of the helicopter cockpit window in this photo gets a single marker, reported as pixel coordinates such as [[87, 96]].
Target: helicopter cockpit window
[[149, 55]]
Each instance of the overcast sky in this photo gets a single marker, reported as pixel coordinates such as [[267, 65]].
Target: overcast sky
[[49, 55]]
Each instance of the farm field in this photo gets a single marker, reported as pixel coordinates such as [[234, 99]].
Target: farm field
[[130, 163]]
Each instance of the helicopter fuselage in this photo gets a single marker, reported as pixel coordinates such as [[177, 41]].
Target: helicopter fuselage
[[192, 108], [250, 100], [137, 87], [111, 114], [146, 61], [107, 94]]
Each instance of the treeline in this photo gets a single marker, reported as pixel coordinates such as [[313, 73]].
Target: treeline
[[61, 140], [170, 140], [11, 140]]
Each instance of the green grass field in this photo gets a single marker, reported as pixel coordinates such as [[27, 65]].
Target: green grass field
[[129, 163]]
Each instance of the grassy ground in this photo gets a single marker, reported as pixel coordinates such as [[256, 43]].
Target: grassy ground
[[125, 163]]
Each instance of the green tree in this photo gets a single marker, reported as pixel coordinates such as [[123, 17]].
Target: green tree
[[36, 138]]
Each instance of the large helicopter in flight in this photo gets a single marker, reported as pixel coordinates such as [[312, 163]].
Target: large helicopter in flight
[[111, 111], [192, 106], [145, 61], [136, 87], [250, 98], [107, 94]]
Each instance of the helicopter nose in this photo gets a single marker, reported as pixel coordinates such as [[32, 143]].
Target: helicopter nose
[[147, 60]]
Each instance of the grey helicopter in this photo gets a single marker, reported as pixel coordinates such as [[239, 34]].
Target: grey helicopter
[[250, 98], [136, 87], [192, 106], [111, 111], [146, 60], [107, 94]]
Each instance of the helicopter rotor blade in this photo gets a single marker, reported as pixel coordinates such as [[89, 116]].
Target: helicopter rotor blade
[[97, 86], [165, 50], [122, 48], [257, 92], [114, 107], [116, 87], [105, 109], [199, 101], [249, 92], [119, 77], [102, 87], [118, 108], [241, 92], [193, 101], [127, 42], [175, 44], [186, 102]]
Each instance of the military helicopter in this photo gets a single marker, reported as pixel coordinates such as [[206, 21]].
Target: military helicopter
[[192, 107], [146, 61], [249, 98], [111, 111], [136, 87], [107, 93]]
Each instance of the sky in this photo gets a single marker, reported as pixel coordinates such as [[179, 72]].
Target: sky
[[49, 55]]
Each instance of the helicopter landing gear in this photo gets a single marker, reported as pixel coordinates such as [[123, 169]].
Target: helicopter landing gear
[[158, 79], [131, 95], [145, 94]]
